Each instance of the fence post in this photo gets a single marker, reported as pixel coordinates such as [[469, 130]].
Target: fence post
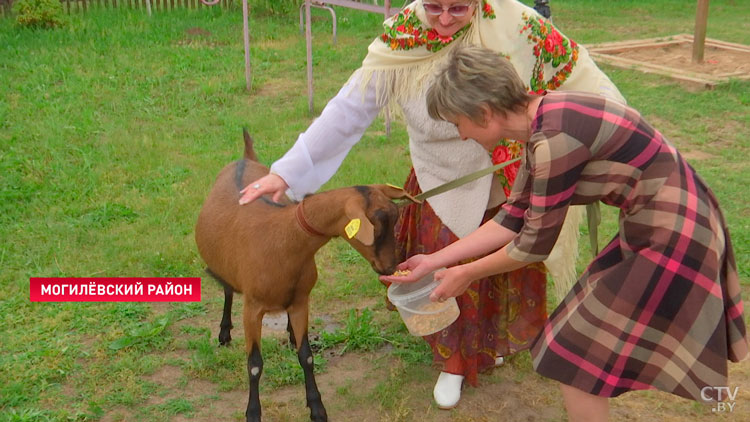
[[699, 38], [246, 38], [308, 45]]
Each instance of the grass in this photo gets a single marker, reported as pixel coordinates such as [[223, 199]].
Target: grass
[[112, 131]]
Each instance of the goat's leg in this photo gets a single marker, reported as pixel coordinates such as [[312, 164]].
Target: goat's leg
[[292, 341], [252, 319], [298, 319], [226, 320]]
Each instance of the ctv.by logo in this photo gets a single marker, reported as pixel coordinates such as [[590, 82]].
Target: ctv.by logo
[[720, 394]]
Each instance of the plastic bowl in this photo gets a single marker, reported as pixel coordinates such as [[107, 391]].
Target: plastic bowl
[[422, 316]]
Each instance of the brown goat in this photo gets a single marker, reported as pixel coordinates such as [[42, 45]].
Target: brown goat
[[266, 251]]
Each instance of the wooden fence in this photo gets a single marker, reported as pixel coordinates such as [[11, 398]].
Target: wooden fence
[[72, 6]]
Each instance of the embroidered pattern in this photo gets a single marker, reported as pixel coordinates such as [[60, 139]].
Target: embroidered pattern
[[549, 47], [407, 31], [487, 11], [507, 149]]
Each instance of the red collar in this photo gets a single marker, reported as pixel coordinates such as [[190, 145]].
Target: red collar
[[300, 213]]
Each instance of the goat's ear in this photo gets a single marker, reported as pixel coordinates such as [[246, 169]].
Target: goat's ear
[[395, 192], [359, 226]]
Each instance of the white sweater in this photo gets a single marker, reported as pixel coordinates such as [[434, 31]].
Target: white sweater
[[437, 153]]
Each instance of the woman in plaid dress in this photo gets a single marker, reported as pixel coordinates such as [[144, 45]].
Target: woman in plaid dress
[[660, 306]]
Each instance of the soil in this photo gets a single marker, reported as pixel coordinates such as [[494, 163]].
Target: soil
[[716, 61], [512, 392]]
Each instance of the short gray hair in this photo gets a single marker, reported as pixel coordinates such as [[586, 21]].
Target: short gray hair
[[472, 77]]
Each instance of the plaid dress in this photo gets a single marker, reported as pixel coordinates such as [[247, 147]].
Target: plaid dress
[[660, 306]]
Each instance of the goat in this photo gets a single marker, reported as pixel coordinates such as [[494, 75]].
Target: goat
[[266, 251]]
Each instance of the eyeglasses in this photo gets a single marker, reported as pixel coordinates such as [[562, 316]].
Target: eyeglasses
[[456, 10]]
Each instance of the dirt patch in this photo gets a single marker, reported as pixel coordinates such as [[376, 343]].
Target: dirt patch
[[350, 380], [282, 88], [716, 61], [354, 388], [197, 32], [173, 383], [696, 155], [673, 57], [198, 37], [722, 135]]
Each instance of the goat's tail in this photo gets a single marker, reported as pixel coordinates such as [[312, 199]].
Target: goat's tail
[[249, 151]]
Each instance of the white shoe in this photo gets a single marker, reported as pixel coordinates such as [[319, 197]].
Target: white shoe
[[447, 390], [499, 361]]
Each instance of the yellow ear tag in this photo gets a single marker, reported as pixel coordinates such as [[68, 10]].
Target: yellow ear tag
[[394, 186], [352, 228]]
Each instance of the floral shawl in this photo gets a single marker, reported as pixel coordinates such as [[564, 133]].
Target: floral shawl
[[408, 50]]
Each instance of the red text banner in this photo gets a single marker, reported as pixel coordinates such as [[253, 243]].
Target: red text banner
[[115, 289]]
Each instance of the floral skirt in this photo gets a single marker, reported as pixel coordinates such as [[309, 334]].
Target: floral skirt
[[500, 315]]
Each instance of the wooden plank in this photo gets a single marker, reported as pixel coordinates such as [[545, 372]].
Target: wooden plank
[[607, 49], [623, 48], [723, 44], [727, 47], [699, 41], [740, 74], [246, 42], [639, 64], [308, 47], [660, 70], [629, 43]]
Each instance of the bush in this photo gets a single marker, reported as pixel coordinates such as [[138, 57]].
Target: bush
[[39, 13]]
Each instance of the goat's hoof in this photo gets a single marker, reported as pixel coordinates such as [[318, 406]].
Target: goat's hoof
[[318, 415], [224, 340], [252, 418]]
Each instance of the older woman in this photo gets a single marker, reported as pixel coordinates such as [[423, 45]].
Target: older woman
[[499, 314], [660, 306]]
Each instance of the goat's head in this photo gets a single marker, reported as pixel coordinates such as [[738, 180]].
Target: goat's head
[[372, 217]]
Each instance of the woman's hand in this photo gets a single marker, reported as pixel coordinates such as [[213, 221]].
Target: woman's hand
[[418, 266], [268, 184], [453, 282]]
